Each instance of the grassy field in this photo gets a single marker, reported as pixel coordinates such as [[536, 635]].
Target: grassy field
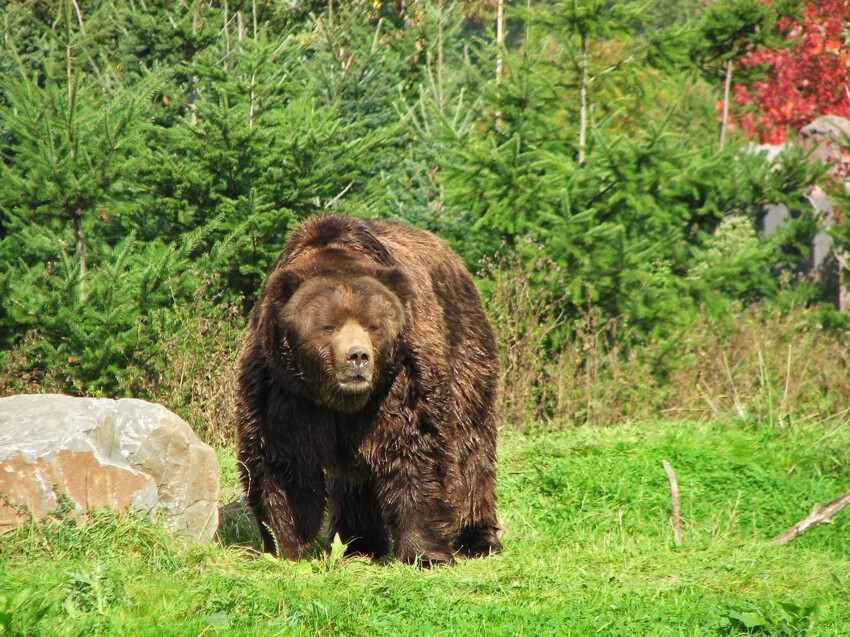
[[588, 544]]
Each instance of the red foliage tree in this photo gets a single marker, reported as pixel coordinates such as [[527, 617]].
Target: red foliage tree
[[805, 77]]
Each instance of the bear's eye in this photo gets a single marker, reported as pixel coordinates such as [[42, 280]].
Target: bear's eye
[[329, 328]]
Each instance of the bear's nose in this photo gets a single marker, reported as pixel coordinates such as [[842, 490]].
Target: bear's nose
[[357, 357]]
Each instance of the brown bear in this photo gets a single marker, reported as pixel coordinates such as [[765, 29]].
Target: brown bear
[[368, 386]]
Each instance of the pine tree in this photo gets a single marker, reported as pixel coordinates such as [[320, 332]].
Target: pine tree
[[74, 136], [715, 40], [623, 229], [260, 149]]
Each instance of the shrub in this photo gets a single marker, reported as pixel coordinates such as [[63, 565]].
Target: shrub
[[183, 357]]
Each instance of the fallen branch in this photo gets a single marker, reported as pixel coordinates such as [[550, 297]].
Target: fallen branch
[[819, 515], [674, 495]]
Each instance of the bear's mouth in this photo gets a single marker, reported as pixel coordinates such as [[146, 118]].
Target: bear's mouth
[[354, 382]]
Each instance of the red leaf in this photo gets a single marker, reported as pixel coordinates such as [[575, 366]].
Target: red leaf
[[804, 78]]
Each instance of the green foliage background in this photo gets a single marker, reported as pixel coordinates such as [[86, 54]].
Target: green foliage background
[[155, 156]]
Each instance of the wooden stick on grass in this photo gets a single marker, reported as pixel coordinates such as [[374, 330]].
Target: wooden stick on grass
[[818, 515], [674, 495]]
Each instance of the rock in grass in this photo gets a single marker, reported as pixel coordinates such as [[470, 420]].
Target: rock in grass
[[75, 454], [237, 524]]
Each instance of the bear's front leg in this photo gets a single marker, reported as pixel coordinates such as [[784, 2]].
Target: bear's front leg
[[288, 503], [353, 512], [416, 507]]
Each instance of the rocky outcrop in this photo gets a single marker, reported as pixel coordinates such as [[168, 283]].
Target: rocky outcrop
[[76, 454]]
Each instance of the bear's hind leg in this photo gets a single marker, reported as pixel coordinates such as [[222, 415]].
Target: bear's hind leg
[[478, 534], [477, 540], [353, 513]]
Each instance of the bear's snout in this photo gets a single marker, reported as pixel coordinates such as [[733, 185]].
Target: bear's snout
[[354, 357], [358, 357]]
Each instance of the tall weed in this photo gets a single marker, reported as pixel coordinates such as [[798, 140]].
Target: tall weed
[[558, 371], [193, 372], [27, 368], [763, 363]]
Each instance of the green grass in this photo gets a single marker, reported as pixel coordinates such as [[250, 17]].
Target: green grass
[[588, 549]]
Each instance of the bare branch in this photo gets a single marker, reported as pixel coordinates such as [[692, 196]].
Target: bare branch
[[610, 69], [818, 515], [727, 92], [339, 196], [674, 496]]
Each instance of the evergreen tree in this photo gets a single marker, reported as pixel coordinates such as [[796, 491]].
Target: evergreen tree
[[625, 228], [260, 150], [142, 143], [73, 136], [716, 39]]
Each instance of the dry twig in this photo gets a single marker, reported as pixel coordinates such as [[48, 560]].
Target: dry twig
[[818, 515], [674, 495]]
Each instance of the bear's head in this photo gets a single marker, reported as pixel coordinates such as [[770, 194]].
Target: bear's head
[[334, 336]]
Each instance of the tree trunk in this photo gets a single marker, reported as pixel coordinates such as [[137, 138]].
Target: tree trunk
[[500, 37], [843, 259], [440, 55], [727, 90], [582, 126], [80, 252], [193, 94], [226, 34], [252, 96], [76, 211]]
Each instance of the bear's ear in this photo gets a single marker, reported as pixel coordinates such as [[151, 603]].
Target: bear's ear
[[281, 285], [278, 289], [397, 281]]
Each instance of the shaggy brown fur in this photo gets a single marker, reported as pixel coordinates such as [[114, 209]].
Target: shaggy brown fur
[[368, 385]]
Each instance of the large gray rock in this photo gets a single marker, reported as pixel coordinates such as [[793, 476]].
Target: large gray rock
[[99, 452]]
